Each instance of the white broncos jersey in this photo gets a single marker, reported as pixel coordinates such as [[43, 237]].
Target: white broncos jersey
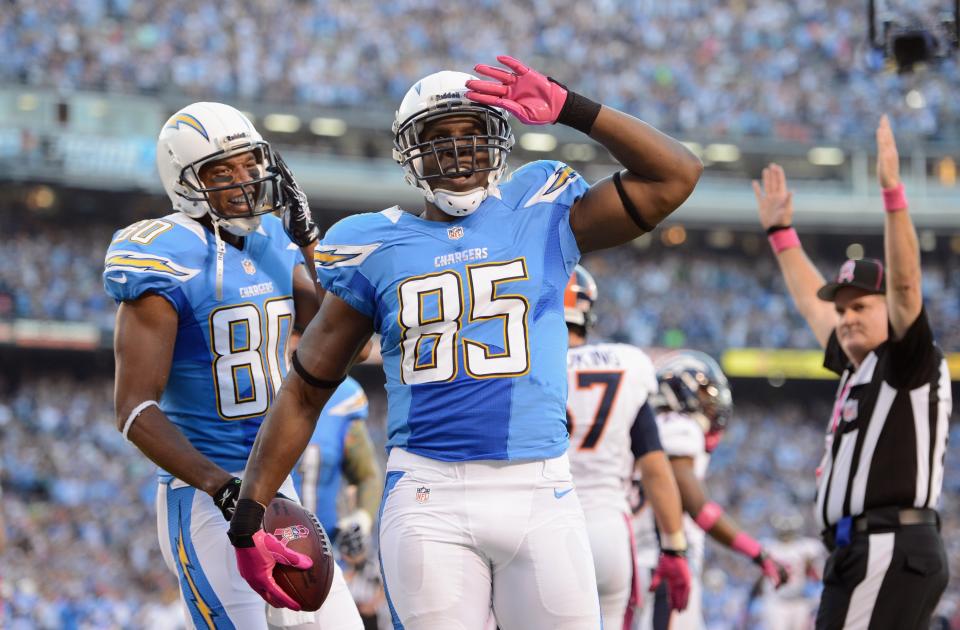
[[681, 436], [608, 383]]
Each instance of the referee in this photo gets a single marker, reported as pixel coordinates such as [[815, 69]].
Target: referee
[[879, 481]]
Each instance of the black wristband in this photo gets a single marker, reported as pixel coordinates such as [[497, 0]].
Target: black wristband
[[629, 207], [578, 111], [309, 378], [247, 520], [679, 553], [777, 228]]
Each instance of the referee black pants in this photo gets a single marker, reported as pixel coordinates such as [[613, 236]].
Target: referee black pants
[[885, 580]]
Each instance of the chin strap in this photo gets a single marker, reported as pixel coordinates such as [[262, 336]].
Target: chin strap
[[459, 204], [221, 252]]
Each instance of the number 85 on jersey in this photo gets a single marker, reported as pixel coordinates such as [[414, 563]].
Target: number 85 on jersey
[[441, 312]]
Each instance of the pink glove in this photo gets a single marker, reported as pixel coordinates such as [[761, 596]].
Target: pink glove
[[772, 570], [674, 569], [256, 566], [530, 96]]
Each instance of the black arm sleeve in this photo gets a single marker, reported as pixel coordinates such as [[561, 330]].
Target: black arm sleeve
[[834, 358], [644, 437], [914, 357]]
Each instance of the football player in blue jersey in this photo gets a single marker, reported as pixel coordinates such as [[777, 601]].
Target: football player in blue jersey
[[341, 449], [208, 298], [467, 295]]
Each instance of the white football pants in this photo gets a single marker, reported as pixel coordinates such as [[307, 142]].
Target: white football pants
[[194, 544], [456, 537], [610, 542]]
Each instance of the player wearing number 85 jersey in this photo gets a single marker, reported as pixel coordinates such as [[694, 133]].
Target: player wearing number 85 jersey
[[467, 298], [208, 297]]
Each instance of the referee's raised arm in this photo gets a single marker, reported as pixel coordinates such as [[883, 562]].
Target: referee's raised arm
[[775, 206], [901, 251], [879, 482]]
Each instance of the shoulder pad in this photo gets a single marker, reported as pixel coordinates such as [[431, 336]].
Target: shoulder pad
[[543, 181], [352, 240], [152, 255], [638, 361], [680, 435]]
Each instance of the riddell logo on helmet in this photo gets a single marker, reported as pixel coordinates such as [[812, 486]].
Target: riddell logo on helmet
[[236, 136], [447, 95]]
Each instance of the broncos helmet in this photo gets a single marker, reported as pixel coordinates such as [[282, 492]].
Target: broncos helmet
[[692, 383], [578, 298], [436, 96], [202, 133]]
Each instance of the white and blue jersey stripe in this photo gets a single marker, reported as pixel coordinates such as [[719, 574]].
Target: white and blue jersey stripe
[[471, 316]]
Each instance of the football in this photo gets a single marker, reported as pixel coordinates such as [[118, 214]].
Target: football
[[301, 531]]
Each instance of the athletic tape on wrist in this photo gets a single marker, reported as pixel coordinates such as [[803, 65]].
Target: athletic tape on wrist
[[708, 516], [578, 111], [784, 239], [133, 416], [247, 520], [894, 199], [676, 541]]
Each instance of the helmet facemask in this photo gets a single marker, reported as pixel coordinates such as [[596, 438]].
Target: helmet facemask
[[693, 384], [262, 192], [423, 160]]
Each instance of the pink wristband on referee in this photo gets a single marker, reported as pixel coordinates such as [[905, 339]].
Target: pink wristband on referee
[[894, 199], [746, 544], [708, 516], [783, 239]]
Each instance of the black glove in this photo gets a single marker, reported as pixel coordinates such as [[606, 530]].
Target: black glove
[[297, 220], [226, 497]]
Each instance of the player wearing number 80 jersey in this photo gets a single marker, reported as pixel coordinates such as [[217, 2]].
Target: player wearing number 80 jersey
[[208, 297], [467, 298]]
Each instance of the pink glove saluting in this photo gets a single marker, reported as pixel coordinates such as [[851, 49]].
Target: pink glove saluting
[[530, 96], [259, 552], [674, 569]]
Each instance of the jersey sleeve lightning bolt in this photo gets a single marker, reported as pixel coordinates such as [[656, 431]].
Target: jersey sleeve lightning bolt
[[319, 472], [229, 354], [471, 316]]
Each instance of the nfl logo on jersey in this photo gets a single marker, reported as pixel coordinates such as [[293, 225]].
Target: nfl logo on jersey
[[248, 266], [423, 493], [455, 233]]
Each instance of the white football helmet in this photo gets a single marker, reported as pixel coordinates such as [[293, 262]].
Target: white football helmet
[[206, 132], [436, 96]]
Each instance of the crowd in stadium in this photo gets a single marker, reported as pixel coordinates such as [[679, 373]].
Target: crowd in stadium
[[794, 70], [665, 298], [77, 496]]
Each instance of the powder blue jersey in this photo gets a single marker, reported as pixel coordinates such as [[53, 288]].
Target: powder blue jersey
[[229, 356], [471, 316], [318, 474]]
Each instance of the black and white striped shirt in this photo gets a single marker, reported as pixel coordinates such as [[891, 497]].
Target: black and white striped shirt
[[887, 434]]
